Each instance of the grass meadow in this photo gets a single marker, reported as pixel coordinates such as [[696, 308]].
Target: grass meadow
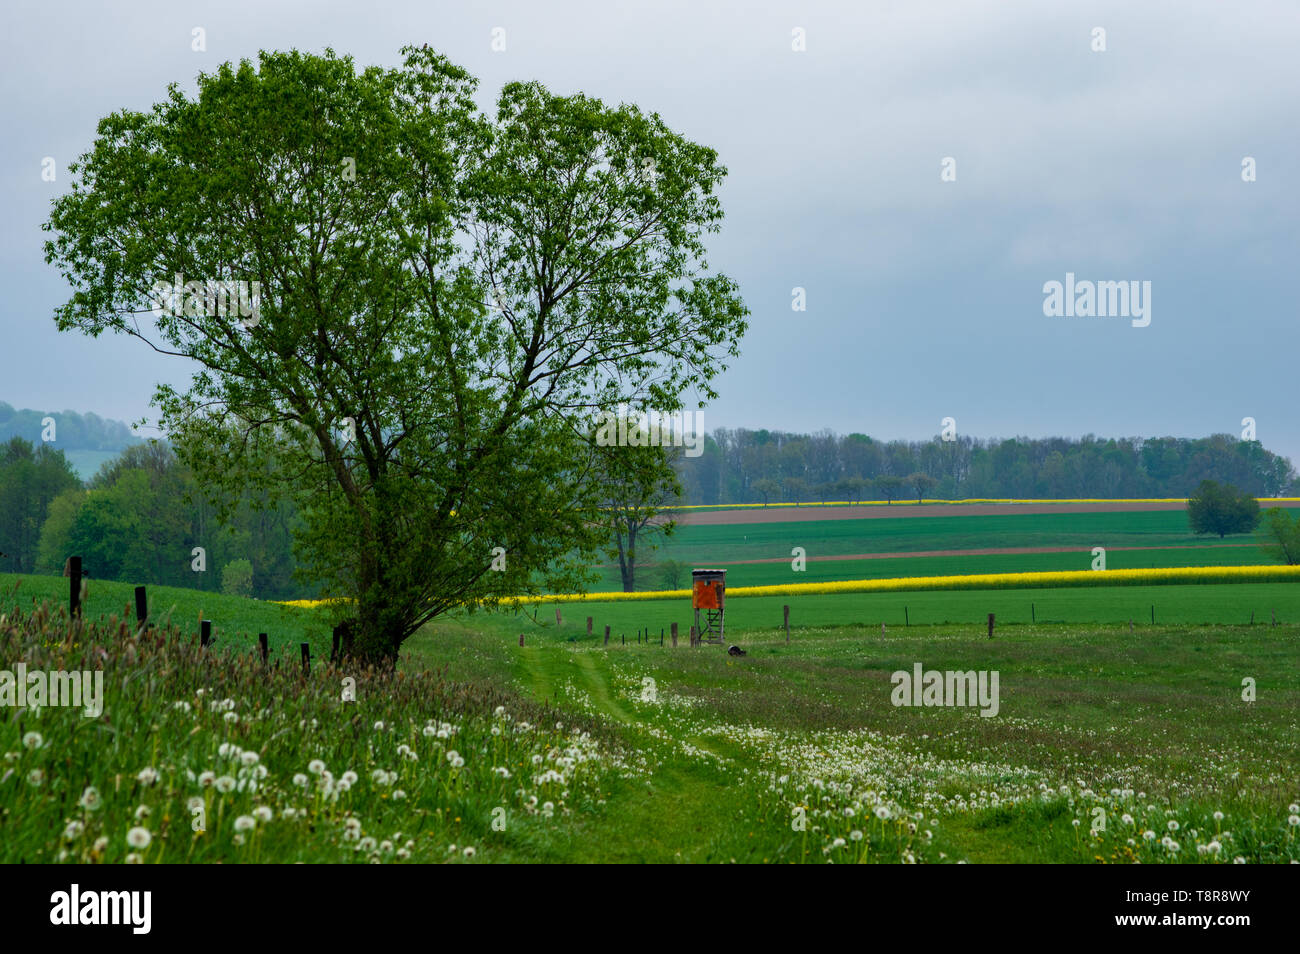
[[1176, 741]]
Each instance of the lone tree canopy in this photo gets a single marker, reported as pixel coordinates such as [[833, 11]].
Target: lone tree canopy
[[1222, 509], [435, 303]]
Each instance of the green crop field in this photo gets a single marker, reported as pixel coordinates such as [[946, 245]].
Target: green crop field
[[724, 545]]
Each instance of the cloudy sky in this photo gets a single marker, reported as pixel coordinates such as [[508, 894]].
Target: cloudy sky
[[924, 297]]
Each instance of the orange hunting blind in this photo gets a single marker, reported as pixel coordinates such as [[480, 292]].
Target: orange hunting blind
[[708, 594]]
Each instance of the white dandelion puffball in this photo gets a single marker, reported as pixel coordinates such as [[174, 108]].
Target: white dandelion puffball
[[263, 814], [207, 779], [225, 784], [315, 766], [32, 740], [248, 758], [90, 798], [245, 823], [139, 837], [147, 776]]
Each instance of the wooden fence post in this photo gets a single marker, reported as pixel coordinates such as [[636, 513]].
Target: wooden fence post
[[990, 625], [558, 620], [521, 639], [141, 608], [306, 659], [73, 572], [674, 631], [589, 627], [787, 623], [205, 633], [265, 646], [661, 635], [336, 646], [606, 635]]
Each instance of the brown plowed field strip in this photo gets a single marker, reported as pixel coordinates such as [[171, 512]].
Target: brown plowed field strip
[[990, 551]]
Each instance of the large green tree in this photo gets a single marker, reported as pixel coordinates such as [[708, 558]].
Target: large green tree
[[1222, 509], [445, 300]]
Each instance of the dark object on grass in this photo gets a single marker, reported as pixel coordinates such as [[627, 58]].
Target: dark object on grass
[[735, 651]]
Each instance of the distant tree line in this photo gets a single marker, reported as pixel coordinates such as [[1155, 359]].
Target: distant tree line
[[139, 519], [762, 466], [73, 431]]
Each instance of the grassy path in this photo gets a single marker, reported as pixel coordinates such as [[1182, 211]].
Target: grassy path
[[667, 818]]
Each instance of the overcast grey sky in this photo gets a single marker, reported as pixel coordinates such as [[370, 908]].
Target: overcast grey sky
[[924, 297]]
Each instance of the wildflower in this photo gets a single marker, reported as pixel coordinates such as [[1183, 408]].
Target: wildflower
[[139, 837], [245, 823], [1218, 816], [855, 835], [366, 844], [350, 777], [225, 784], [469, 851], [248, 758], [147, 776], [228, 751], [398, 794], [133, 859], [379, 726], [429, 731], [206, 779], [882, 812], [194, 804], [231, 717], [1239, 860], [1173, 825], [315, 766], [263, 814], [32, 740], [101, 843], [300, 780], [143, 812], [1293, 820], [74, 830], [90, 799]]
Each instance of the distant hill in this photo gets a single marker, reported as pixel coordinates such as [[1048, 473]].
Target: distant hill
[[87, 440]]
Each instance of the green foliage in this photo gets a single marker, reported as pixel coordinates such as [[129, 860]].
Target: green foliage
[[237, 578], [434, 331], [1282, 531], [888, 486], [1221, 509], [31, 478]]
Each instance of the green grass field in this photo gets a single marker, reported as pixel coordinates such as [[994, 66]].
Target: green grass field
[[235, 621], [1154, 743]]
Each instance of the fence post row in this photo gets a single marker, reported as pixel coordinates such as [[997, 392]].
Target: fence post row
[[266, 648], [205, 633]]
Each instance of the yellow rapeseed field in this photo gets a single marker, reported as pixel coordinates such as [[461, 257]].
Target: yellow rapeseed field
[[974, 581]]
